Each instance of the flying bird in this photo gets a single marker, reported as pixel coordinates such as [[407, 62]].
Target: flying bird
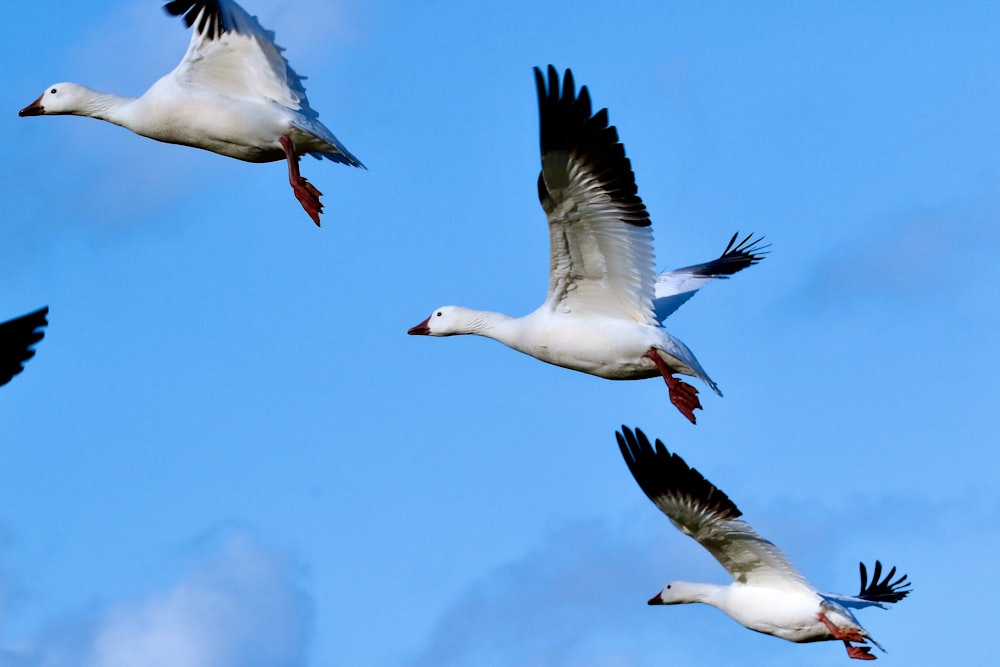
[[605, 301], [768, 593], [233, 93], [17, 337]]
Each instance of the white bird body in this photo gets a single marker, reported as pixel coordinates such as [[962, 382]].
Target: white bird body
[[233, 94], [767, 594], [789, 613], [604, 346], [605, 303]]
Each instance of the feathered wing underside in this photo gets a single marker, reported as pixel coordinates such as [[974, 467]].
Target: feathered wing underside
[[231, 53], [703, 511], [674, 288], [601, 240], [17, 337]]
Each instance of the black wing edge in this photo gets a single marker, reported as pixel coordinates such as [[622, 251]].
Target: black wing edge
[[660, 473], [568, 125], [735, 258], [209, 22], [16, 338], [885, 590]]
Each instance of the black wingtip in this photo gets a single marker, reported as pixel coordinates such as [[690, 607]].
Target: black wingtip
[[751, 251], [209, 22], [569, 127], [886, 590], [737, 256], [661, 473], [17, 338]]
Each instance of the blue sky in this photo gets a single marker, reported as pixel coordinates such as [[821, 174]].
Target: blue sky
[[227, 451]]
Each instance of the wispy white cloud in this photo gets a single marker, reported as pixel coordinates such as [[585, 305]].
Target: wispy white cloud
[[241, 606], [573, 601]]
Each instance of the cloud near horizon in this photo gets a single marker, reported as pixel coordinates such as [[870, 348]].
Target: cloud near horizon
[[241, 606], [579, 598]]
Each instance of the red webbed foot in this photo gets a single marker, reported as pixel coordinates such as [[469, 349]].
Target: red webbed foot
[[682, 395], [305, 192], [308, 196], [859, 652]]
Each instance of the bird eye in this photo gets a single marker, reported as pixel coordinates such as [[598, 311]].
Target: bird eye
[[668, 587], [53, 91], [439, 314]]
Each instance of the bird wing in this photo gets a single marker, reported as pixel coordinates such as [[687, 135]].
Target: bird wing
[[232, 54], [878, 593], [601, 238], [701, 510], [16, 338], [674, 288]]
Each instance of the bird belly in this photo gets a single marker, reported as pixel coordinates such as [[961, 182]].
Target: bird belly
[[234, 128], [790, 616], [606, 352]]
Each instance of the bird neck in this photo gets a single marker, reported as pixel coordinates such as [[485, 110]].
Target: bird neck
[[105, 106], [690, 592], [488, 323]]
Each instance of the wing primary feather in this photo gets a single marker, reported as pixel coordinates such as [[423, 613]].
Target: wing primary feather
[[17, 337], [661, 474], [885, 590], [571, 130], [207, 14], [733, 259]]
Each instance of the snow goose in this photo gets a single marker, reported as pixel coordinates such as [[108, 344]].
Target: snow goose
[[17, 336], [233, 93], [767, 594], [605, 301]]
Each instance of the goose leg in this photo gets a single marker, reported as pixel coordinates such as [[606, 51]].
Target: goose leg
[[841, 633], [848, 636], [305, 192], [682, 395]]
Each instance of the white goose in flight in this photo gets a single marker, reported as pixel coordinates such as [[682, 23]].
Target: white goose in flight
[[233, 93], [605, 301], [768, 594]]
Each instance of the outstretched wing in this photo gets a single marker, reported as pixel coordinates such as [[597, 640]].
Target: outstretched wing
[[674, 288], [703, 511], [17, 337], [230, 52], [601, 239]]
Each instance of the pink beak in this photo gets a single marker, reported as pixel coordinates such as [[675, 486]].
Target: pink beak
[[33, 109], [656, 599], [421, 329]]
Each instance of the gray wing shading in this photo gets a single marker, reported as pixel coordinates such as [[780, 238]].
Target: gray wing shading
[[601, 240], [704, 512], [17, 337], [674, 288]]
